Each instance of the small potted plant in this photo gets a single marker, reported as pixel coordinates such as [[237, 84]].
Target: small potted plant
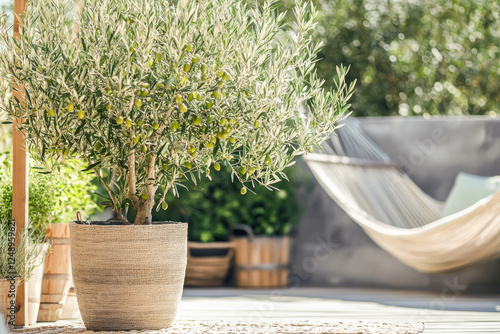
[[17, 264], [150, 93], [41, 205], [53, 200]]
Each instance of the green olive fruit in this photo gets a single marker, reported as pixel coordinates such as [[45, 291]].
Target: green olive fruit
[[219, 134], [247, 94], [190, 97], [187, 68], [159, 56], [183, 108], [164, 205], [195, 59], [216, 166], [131, 49], [138, 103], [210, 144], [220, 73], [223, 121], [232, 121], [159, 85], [144, 197], [165, 167], [232, 140], [215, 94], [188, 165], [196, 120], [136, 139], [256, 124], [209, 105], [139, 122], [128, 122], [149, 63], [268, 161], [251, 170], [243, 191], [119, 120], [226, 77], [98, 146], [70, 107], [50, 112], [198, 97], [203, 127], [191, 149], [108, 106], [213, 140], [155, 126], [81, 114], [175, 126], [66, 151], [203, 68], [178, 99], [204, 77], [189, 48], [220, 84]]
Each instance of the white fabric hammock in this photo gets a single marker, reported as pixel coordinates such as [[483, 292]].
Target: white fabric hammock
[[396, 213]]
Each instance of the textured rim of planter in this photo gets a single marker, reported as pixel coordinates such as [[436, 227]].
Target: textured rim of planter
[[128, 277]]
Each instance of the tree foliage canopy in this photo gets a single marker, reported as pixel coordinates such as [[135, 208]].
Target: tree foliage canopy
[[149, 92]]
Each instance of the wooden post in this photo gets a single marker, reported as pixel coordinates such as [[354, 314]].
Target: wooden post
[[19, 179]]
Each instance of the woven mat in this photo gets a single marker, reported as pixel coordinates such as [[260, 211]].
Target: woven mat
[[233, 327]]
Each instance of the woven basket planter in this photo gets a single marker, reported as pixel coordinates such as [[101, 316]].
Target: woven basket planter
[[208, 270], [128, 277]]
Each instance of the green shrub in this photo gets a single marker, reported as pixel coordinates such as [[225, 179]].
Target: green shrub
[[414, 57], [53, 197], [211, 207]]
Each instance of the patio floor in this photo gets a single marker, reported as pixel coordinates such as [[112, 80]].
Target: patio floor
[[440, 312]]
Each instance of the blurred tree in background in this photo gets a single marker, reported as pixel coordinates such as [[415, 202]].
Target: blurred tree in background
[[439, 57]]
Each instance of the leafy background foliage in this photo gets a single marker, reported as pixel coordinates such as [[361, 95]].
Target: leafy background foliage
[[439, 57]]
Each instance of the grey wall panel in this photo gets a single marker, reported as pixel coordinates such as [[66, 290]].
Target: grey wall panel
[[331, 250]]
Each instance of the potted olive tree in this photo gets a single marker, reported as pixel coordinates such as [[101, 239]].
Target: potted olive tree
[[150, 93]]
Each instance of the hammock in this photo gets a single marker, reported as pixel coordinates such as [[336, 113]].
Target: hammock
[[396, 213]]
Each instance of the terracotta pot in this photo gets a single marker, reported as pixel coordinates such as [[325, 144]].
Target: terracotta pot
[[128, 277], [8, 290]]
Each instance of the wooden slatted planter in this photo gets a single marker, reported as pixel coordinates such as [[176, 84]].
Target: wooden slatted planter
[[208, 270], [57, 275], [261, 261]]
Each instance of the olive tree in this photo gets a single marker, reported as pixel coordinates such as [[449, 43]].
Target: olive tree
[[150, 93]]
